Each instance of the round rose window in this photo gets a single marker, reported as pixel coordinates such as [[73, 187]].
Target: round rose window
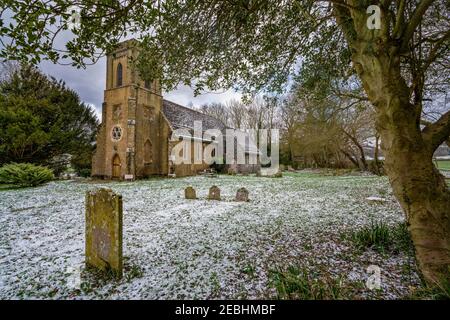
[[116, 133]]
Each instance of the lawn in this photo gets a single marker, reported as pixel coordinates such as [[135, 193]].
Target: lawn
[[443, 164], [198, 249]]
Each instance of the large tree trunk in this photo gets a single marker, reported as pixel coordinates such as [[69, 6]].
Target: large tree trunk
[[421, 191], [419, 187], [417, 184]]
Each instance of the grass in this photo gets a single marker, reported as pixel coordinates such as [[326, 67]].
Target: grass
[[249, 270], [440, 292], [206, 244], [382, 238], [8, 187], [442, 164], [297, 283]]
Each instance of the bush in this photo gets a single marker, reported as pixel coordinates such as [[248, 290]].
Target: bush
[[58, 164], [84, 173], [25, 174]]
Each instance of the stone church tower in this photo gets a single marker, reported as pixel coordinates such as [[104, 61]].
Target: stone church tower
[[135, 137], [128, 142]]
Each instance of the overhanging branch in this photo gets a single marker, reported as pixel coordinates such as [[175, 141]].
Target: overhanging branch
[[344, 20], [415, 20], [438, 132], [400, 18]]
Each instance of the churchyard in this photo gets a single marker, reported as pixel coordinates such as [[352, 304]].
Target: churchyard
[[298, 236]]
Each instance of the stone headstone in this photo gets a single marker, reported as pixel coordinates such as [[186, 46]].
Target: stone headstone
[[214, 193], [242, 195], [189, 193], [104, 231]]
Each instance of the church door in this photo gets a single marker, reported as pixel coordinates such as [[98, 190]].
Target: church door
[[116, 166]]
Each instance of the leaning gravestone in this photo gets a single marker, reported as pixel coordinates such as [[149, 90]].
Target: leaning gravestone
[[242, 195], [189, 193], [214, 193], [104, 231]]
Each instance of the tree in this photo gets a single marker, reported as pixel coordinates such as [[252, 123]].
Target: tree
[[329, 118], [317, 135], [237, 113], [290, 118], [216, 110], [256, 45], [41, 119]]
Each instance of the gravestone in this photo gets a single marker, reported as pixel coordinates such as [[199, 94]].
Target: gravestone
[[104, 231], [214, 193], [242, 195], [189, 193]]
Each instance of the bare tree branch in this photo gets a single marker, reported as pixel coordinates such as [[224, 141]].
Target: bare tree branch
[[415, 20], [400, 19], [438, 132]]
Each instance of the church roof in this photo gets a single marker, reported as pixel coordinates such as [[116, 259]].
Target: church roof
[[182, 117]]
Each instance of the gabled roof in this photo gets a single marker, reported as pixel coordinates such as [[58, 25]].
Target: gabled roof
[[180, 117]]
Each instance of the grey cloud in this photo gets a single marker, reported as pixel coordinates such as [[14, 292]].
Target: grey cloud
[[89, 83]]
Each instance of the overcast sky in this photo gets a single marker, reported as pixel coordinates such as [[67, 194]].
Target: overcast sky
[[89, 83]]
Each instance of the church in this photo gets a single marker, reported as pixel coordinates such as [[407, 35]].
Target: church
[[135, 138]]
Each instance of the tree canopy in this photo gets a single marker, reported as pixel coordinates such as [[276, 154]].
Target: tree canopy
[[258, 45], [248, 44], [41, 118]]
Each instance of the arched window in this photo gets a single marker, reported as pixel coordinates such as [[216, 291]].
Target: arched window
[[147, 84], [119, 74], [148, 152]]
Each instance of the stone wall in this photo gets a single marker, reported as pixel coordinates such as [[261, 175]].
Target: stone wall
[[183, 170], [135, 109]]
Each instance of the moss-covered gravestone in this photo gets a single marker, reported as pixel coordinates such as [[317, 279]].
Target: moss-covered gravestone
[[242, 195], [189, 193], [104, 231], [214, 193]]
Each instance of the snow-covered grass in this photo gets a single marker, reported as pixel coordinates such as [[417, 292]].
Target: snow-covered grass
[[200, 249]]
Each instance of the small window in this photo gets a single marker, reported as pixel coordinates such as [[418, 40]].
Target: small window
[[119, 75], [147, 84]]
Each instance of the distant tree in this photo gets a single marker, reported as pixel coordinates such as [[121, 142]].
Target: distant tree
[[40, 119], [236, 112], [216, 110]]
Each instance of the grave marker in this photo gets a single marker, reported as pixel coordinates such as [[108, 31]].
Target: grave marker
[[104, 231]]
